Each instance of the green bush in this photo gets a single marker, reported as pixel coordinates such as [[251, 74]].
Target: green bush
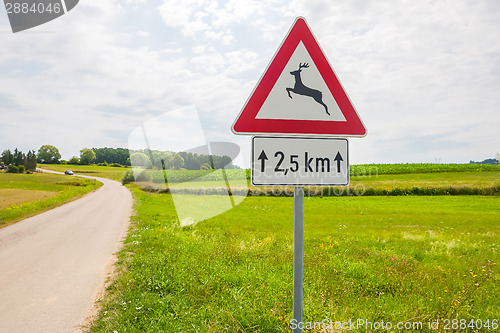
[[143, 176], [12, 168], [116, 165], [205, 166], [103, 164], [74, 160], [20, 169], [128, 177]]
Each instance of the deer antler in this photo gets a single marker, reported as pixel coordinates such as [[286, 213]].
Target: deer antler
[[306, 65]]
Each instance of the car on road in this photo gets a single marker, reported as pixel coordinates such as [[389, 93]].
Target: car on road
[[69, 172]]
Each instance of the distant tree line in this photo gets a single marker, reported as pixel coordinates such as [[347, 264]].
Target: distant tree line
[[17, 161], [182, 160], [48, 154], [196, 162], [112, 155], [487, 161]]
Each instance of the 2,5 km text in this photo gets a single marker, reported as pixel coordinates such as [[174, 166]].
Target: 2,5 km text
[[295, 161]]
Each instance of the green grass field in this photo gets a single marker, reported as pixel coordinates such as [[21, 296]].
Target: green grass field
[[391, 258], [113, 173], [25, 195]]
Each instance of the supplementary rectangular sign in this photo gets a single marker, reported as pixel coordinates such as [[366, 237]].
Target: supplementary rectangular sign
[[295, 161]]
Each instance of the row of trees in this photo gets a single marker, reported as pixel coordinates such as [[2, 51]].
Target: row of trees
[[48, 154], [17, 159], [188, 161], [157, 160], [488, 160], [112, 155]]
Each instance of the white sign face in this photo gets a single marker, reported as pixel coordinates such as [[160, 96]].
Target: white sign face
[[292, 161], [285, 101]]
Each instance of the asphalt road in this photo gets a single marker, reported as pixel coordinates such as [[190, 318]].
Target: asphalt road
[[53, 264]]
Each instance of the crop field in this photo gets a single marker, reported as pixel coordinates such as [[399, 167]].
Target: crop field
[[384, 169], [363, 170], [446, 183], [25, 195], [394, 258], [367, 180]]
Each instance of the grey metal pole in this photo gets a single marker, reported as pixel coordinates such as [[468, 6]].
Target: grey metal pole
[[298, 254]]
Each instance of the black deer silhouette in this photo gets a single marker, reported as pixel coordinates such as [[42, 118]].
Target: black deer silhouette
[[300, 89]]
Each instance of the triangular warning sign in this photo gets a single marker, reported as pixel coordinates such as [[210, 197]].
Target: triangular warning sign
[[299, 94]]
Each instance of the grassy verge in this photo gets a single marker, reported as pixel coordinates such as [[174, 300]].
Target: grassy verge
[[113, 173], [27, 195], [375, 258]]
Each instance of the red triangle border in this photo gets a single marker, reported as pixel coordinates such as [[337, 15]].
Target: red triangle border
[[246, 123]]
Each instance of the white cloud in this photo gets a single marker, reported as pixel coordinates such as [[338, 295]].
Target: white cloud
[[424, 76], [184, 14]]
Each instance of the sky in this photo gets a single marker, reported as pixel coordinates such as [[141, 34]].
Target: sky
[[424, 76]]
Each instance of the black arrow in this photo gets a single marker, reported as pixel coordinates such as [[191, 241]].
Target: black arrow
[[338, 158], [262, 158]]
